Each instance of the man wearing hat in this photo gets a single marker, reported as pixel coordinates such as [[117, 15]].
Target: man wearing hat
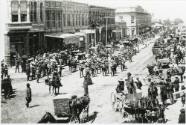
[[28, 95]]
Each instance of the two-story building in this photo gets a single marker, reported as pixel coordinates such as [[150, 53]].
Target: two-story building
[[25, 29], [102, 19], [62, 20], [137, 20]]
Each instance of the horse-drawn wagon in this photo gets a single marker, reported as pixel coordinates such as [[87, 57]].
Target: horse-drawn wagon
[[73, 108], [137, 109]]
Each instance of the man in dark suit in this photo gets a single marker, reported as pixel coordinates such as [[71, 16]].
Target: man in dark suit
[[28, 95]]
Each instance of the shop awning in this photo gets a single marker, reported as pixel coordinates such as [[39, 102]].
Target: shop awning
[[117, 31], [61, 35], [88, 31], [67, 37]]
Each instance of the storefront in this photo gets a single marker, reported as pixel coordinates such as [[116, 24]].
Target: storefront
[[62, 41], [22, 42]]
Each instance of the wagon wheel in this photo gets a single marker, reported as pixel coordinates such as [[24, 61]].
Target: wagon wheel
[[113, 101]]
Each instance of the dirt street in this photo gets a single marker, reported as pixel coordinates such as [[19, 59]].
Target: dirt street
[[14, 109]]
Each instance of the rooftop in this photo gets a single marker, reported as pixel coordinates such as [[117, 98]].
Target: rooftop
[[137, 9]]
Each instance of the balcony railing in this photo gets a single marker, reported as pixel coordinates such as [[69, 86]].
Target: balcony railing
[[19, 25]]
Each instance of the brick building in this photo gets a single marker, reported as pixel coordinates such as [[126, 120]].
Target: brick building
[[102, 19], [137, 19], [25, 29]]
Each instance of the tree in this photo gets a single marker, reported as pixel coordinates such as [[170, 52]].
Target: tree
[[178, 21]]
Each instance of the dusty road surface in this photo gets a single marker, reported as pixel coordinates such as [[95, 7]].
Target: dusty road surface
[[15, 111]]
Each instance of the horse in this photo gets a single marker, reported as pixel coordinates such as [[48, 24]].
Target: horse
[[77, 106]]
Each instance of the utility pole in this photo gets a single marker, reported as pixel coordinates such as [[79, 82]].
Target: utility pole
[[106, 31]]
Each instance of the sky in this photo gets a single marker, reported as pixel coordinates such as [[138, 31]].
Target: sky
[[161, 9]]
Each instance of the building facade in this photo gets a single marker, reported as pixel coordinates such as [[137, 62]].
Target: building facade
[[138, 21], [35, 26], [102, 19], [25, 29], [64, 17]]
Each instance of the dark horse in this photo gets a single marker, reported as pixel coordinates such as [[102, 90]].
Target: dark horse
[[77, 106]]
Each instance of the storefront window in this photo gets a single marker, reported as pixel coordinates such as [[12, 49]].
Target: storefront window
[[14, 11]]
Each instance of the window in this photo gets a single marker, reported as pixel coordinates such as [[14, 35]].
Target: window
[[59, 19], [68, 20], [73, 20], [79, 20], [48, 18], [53, 18], [64, 19], [76, 20], [41, 12], [83, 23], [14, 17], [23, 7], [23, 17], [14, 11], [33, 12], [132, 19]]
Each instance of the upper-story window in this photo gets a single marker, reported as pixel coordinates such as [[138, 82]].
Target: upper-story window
[[23, 8], [41, 12], [14, 11], [33, 11], [68, 20], [132, 19]]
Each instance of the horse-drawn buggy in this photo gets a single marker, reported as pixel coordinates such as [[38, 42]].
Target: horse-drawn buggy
[[137, 109], [68, 108]]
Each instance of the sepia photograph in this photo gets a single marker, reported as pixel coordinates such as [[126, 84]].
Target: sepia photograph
[[93, 61]]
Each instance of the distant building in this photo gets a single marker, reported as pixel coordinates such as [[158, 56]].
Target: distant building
[[138, 21], [102, 19]]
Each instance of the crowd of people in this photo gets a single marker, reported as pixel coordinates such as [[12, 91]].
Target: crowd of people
[[164, 77]]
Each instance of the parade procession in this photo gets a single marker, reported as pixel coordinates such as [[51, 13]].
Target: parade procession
[[70, 61]]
